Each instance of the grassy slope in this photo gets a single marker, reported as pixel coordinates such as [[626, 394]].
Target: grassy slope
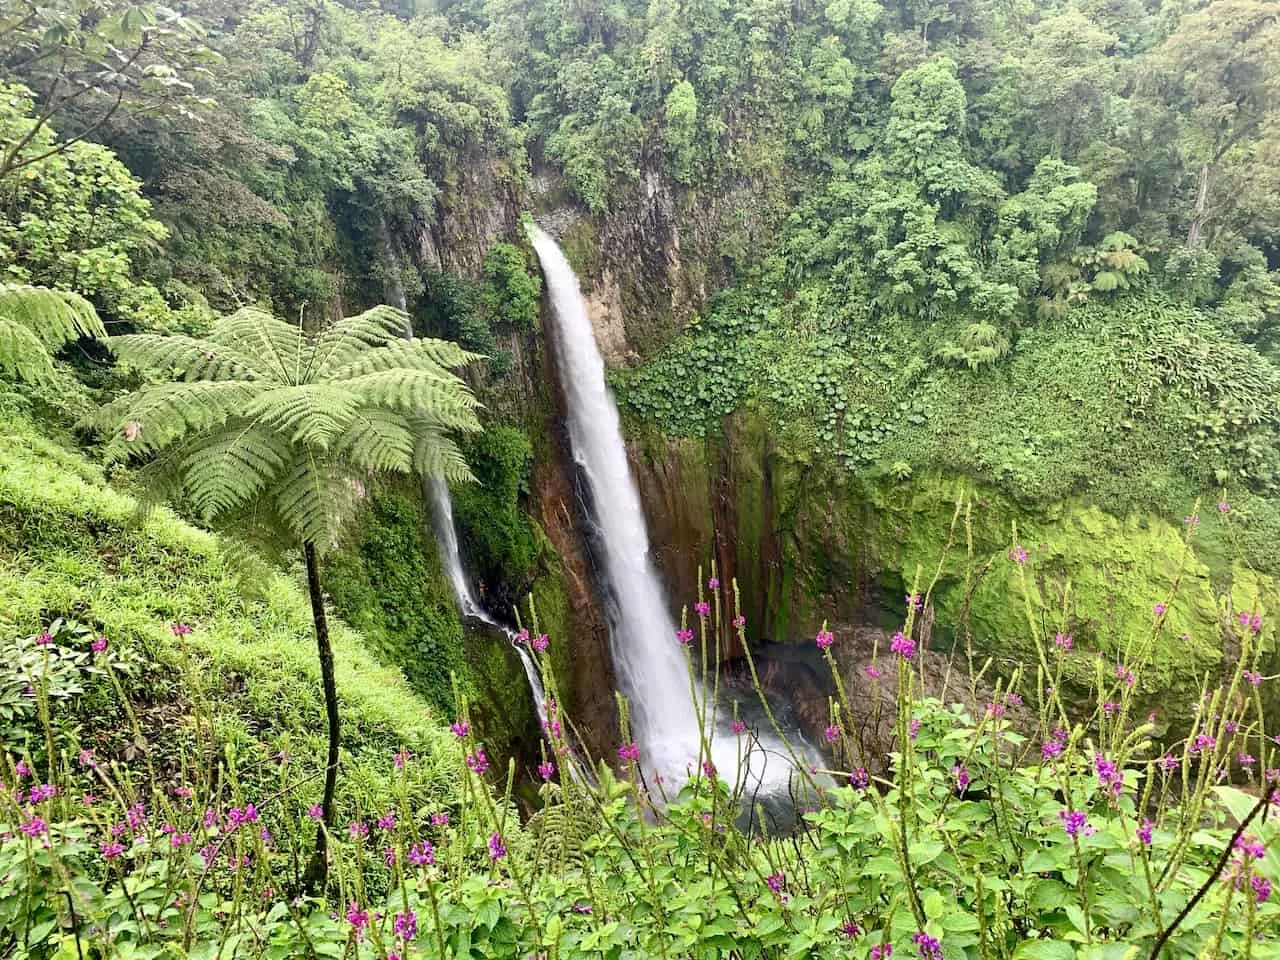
[[70, 545]]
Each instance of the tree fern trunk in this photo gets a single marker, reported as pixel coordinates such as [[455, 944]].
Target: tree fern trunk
[[318, 869]]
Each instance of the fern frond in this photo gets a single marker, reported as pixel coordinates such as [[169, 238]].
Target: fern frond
[[281, 346], [22, 354], [377, 440], [309, 413], [232, 466], [435, 454], [416, 354], [311, 501], [56, 317], [197, 359], [440, 398], [343, 341], [157, 415]]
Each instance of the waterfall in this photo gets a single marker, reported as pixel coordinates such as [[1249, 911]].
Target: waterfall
[[651, 668], [395, 283]]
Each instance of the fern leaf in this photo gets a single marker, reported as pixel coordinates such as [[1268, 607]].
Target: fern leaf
[[196, 359], [377, 440], [416, 354], [342, 342], [22, 354], [281, 346], [435, 454], [310, 413], [56, 317], [231, 467], [440, 398], [159, 414], [310, 500]]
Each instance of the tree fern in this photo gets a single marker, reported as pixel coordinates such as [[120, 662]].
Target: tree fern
[[264, 425], [36, 321], [262, 408]]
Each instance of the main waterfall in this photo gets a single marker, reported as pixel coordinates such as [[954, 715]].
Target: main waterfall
[[647, 657]]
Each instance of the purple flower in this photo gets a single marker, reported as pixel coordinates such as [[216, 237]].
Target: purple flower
[[1109, 773], [1013, 699], [1261, 888], [739, 726], [180, 629], [1074, 822], [179, 840], [477, 762], [739, 622], [860, 779], [685, 637], [902, 645], [850, 930], [315, 812], [86, 759], [1124, 674], [460, 728], [387, 821], [359, 919], [777, 882], [713, 584], [357, 830], [401, 758], [913, 728], [496, 850], [546, 770], [708, 769], [702, 609], [44, 639], [1253, 676], [824, 639], [99, 645], [927, 946], [1224, 507], [1160, 609], [1144, 832], [1018, 555], [1063, 641], [831, 734], [111, 849], [962, 777], [873, 671], [422, 854], [136, 815], [406, 925], [540, 642], [22, 769], [1251, 846], [995, 710], [629, 751], [1245, 760], [582, 908], [42, 792], [440, 819], [34, 826], [882, 952], [1203, 742], [915, 601], [1110, 707]]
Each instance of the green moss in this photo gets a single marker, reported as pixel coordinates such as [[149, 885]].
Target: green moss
[[72, 546], [389, 585]]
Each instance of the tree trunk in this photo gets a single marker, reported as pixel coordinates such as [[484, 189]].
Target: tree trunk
[[1198, 217], [318, 869]]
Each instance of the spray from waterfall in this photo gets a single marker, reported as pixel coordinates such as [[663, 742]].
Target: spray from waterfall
[[650, 664]]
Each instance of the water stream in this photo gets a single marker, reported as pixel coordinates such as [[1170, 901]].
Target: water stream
[[650, 665]]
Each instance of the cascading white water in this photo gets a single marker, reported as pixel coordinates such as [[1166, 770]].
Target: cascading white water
[[646, 655]]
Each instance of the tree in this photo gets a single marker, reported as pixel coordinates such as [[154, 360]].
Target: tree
[[271, 428], [90, 59]]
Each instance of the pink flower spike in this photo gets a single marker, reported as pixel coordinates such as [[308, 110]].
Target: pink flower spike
[[824, 639]]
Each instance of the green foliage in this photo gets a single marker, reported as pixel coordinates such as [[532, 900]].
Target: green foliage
[[74, 218], [270, 421], [512, 291], [499, 538], [387, 583], [35, 321]]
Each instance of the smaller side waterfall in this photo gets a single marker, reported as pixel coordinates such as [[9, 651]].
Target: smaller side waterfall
[[451, 558]]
